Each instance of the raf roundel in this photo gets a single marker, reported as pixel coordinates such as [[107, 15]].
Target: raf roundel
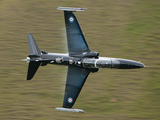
[[71, 19], [70, 100]]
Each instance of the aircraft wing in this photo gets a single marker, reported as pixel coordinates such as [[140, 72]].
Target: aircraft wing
[[76, 41], [76, 78]]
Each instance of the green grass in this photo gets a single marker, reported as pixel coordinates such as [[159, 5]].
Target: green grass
[[122, 29]]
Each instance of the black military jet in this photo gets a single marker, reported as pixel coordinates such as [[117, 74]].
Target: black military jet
[[80, 59]]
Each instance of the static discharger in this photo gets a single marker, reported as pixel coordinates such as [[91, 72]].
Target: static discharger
[[70, 110], [71, 9]]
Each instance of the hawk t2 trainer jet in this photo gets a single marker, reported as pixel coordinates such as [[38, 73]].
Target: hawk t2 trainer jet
[[80, 59]]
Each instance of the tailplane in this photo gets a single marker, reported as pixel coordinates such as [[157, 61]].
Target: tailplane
[[34, 54], [32, 68], [33, 47]]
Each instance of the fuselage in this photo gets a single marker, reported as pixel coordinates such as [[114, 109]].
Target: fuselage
[[89, 63]]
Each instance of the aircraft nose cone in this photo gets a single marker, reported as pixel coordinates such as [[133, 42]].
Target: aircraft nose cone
[[137, 65], [129, 64], [141, 65]]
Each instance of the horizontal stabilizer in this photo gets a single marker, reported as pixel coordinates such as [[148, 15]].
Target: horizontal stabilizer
[[70, 110], [32, 68], [71, 9], [33, 47]]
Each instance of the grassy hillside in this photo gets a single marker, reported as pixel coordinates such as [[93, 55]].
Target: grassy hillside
[[124, 29]]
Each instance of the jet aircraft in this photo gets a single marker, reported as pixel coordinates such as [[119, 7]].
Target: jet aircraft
[[80, 59]]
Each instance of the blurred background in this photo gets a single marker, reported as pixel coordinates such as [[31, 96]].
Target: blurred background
[[127, 29]]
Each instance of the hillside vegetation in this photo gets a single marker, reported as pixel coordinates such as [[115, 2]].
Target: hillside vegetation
[[127, 29]]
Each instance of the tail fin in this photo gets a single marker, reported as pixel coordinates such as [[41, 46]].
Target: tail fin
[[33, 50], [33, 47]]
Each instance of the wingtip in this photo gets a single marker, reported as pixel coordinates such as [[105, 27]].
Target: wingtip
[[71, 9], [70, 110]]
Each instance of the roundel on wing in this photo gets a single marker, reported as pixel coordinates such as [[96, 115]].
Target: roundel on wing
[[71, 19], [70, 100]]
